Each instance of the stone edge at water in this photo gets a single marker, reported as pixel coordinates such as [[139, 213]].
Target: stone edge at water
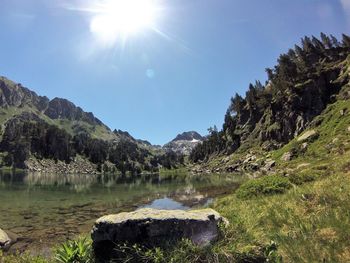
[[153, 227]]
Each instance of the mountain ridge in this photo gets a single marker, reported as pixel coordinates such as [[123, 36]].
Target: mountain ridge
[[35, 130]]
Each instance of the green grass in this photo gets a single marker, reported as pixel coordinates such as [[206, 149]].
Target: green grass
[[267, 185], [310, 223], [22, 258]]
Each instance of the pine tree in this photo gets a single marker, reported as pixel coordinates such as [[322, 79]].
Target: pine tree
[[318, 44], [327, 42], [335, 41], [346, 41]]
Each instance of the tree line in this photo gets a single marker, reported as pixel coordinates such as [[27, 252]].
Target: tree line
[[28, 135]]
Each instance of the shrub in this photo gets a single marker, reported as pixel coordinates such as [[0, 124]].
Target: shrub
[[267, 185], [302, 177]]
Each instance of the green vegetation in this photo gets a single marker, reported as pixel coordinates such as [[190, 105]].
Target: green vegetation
[[21, 258], [36, 127], [298, 89], [309, 223], [266, 185], [75, 251]]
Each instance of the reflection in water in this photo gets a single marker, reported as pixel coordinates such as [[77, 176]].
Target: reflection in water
[[166, 203], [44, 209], [86, 181]]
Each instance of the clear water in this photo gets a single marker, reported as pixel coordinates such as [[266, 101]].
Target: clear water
[[45, 209]]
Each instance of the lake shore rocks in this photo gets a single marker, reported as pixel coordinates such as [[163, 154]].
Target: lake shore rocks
[[77, 166], [5, 240], [152, 227]]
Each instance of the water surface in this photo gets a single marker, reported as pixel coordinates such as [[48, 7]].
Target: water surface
[[45, 209]]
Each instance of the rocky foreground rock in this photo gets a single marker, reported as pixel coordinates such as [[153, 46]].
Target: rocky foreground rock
[[151, 227], [5, 241]]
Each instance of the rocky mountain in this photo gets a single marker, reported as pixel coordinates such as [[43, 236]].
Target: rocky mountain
[[184, 143], [36, 131], [305, 81]]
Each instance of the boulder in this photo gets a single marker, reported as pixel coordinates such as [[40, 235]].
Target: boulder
[[308, 136], [269, 164], [5, 240], [286, 156], [152, 227]]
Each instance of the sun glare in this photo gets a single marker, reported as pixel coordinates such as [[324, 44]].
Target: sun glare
[[115, 19]]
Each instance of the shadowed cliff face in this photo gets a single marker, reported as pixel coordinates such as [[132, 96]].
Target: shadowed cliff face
[[64, 109], [15, 95]]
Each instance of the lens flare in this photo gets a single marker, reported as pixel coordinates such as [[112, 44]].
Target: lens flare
[[115, 19]]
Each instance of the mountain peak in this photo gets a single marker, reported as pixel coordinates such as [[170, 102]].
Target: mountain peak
[[188, 136], [184, 143]]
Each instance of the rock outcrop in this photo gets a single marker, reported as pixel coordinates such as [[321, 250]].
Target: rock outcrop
[[5, 241], [151, 227], [184, 143]]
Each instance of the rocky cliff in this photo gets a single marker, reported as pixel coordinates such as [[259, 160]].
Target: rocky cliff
[[299, 88]]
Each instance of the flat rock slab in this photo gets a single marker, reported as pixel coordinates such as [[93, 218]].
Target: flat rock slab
[[152, 227], [308, 135]]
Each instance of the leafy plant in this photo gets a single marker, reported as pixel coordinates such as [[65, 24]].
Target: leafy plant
[[74, 251]]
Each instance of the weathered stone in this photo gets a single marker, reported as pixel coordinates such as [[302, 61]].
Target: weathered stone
[[269, 164], [5, 240], [152, 227], [304, 146], [309, 135], [286, 157], [232, 168]]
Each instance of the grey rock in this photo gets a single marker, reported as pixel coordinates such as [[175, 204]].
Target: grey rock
[[269, 164], [5, 241], [304, 146], [286, 157], [308, 136], [232, 168], [154, 227]]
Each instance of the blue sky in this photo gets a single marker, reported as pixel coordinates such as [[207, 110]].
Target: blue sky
[[158, 85]]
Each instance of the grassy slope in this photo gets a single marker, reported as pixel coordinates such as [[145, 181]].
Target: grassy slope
[[311, 222]]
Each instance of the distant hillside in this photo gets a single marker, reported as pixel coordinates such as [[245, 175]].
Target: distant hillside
[[55, 135], [299, 88], [184, 143]]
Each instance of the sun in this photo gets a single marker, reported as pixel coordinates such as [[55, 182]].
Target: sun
[[115, 19]]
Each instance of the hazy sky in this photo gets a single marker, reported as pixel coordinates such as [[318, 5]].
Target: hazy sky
[[177, 76]]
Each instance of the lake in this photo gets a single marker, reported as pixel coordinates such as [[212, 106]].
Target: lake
[[45, 209]]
